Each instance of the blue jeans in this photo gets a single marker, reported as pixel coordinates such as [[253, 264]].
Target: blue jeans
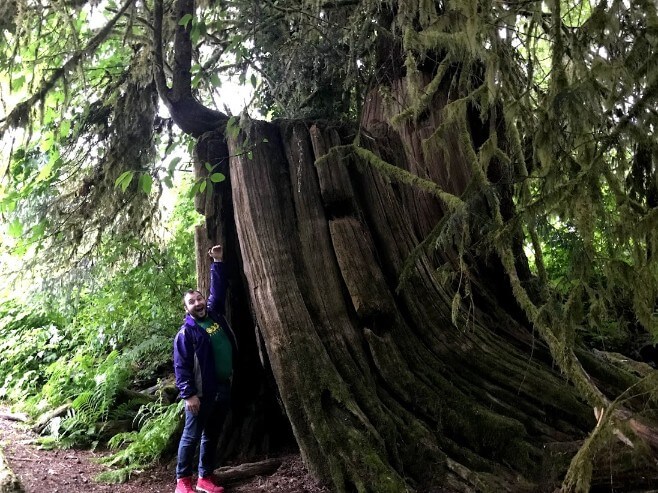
[[203, 429]]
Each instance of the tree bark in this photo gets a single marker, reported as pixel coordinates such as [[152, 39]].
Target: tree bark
[[383, 390]]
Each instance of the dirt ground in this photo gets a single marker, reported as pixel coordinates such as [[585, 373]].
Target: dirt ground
[[74, 471]]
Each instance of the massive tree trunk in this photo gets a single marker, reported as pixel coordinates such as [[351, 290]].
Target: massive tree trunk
[[384, 389]]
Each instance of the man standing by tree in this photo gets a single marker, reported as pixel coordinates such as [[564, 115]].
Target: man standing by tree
[[203, 363]]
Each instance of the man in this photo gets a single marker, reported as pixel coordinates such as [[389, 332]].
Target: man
[[203, 363]]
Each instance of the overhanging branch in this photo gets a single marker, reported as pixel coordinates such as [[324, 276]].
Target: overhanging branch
[[187, 112], [19, 116]]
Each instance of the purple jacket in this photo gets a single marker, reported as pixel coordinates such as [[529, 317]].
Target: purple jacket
[[194, 365]]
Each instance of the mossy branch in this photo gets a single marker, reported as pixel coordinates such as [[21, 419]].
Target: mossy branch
[[561, 351], [423, 102], [579, 475], [452, 202]]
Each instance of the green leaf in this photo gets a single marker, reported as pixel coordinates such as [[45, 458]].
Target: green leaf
[[47, 141], [195, 33], [8, 204], [250, 155], [215, 80], [146, 183], [195, 188], [173, 163], [203, 186], [253, 81], [47, 169], [217, 177], [234, 41], [38, 230], [208, 167], [15, 229], [185, 20], [209, 191], [124, 180], [65, 128], [18, 82]]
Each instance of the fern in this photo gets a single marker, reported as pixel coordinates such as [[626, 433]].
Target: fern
[[138, 450], [94, 403]]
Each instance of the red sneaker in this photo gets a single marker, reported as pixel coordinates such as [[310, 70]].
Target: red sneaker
[[184, 485], [208, 485]]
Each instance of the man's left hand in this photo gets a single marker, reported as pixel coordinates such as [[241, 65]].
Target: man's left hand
[[217, 253]]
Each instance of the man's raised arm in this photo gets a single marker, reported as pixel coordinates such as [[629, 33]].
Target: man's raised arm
[[218, 284]]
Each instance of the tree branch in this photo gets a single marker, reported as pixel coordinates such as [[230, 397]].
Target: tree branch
[[19, 116], [182, 77], [187, 112]]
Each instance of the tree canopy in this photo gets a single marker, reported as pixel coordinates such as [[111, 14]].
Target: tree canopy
[[573, 82], [553, 105]]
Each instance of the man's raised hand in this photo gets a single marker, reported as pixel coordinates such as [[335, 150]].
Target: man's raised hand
[[217, 253]]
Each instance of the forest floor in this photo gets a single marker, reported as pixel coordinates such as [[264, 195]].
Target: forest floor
[[75, 470]]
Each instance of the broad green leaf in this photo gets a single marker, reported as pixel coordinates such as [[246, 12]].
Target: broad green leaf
[[173, 163], [45, 171], [18, 82], [49, 115], [47, 142], [203, 186], [195, 189], [146, 183], [20, 249], [235, 40], [185, 20], [65, 128], [38, 230], [208, 190], [208, 167], [15, 229], [124, 180], [217, 177], [195, 33], [9, 204], [215, 80]]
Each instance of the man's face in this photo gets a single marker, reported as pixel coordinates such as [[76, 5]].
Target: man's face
[[195, 305]]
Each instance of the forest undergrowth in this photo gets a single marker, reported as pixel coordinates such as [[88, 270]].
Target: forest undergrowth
[[87, 355]]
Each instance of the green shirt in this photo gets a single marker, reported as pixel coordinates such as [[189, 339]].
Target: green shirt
[[221, 348]]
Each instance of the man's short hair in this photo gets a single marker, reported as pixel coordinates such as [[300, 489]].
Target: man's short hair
[[190, 291]]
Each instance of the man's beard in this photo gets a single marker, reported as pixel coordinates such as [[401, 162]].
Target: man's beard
[[199, 312]]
